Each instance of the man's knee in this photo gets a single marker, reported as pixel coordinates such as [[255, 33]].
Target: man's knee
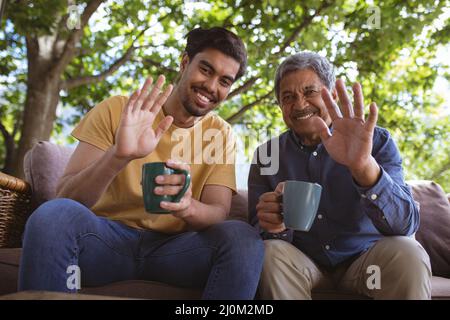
[[281, 256], [237, 236], [405, 260], [405, 252], [55, 216], [405, 269], [235, 231]]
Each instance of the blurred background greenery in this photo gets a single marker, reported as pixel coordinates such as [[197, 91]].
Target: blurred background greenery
[[60, 58]]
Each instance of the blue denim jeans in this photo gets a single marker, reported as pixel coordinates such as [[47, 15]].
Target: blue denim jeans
[[224, 259]]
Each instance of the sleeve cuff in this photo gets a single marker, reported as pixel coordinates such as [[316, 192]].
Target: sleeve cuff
[[286, 235], [378, 194]]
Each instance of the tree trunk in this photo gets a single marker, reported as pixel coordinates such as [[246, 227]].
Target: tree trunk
[[10, 151], [42, 98]]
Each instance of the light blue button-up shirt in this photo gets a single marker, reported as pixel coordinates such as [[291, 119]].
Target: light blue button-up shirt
[[350, 219]]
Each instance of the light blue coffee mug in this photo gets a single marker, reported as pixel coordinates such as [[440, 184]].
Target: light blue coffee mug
[[300, 203]]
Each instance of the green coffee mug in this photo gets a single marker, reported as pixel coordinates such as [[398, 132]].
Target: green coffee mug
[[151, 200]]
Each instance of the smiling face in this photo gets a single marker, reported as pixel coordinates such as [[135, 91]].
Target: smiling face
[[206, 81], [301, 102]]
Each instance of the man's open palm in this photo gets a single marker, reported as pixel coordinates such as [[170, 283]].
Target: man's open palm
[[135, 137], [350, 144]]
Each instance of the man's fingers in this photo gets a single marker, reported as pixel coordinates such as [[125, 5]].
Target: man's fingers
[[359, 101], [163, 126], [173, 179], [280, 187], [156, 90], [268, 206], [373, 116], [346, 104], [143, 93], [321, 128], [167, 190], [270, 217], [332, 107], [161, 100], [270, 197], [131, 101], [175, 206], [178, 165]]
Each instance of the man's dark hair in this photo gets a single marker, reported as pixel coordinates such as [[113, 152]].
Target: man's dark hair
[[217, 38]]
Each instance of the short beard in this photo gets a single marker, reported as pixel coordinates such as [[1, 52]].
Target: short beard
[[192, 110]]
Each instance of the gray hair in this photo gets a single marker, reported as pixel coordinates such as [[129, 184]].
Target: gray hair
[[306, 60]]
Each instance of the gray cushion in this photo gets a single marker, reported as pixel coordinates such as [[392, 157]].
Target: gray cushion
[[434, 229], [44, 164]]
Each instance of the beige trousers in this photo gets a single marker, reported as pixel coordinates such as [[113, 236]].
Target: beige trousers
[[395, 267]]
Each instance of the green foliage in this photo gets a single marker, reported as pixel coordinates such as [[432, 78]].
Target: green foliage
[[395, 63]]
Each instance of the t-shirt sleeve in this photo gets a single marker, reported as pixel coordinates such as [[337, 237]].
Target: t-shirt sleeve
[[224, 173], [99, 126]]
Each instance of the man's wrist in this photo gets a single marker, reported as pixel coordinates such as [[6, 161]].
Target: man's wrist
[[117, 162], [367, 175], [187, 212], [286, 235]]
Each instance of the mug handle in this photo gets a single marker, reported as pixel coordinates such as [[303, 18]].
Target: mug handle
[[187, 182]]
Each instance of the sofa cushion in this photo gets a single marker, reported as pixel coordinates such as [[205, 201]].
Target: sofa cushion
[[142, 289], [434, 229], [44, 164], [9, 269], [440, 288]]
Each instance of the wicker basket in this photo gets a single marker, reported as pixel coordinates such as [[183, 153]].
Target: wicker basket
[[15, 209]]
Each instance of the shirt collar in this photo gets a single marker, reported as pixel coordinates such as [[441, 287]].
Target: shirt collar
[[303, 147]]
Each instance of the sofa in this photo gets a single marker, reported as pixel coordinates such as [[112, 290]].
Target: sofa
[[45, 162]]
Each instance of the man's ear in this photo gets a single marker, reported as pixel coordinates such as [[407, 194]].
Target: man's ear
[[184, 62]]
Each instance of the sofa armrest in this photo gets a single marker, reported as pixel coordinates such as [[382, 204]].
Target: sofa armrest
[[15, 209]]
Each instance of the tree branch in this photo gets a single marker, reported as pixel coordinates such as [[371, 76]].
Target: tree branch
[[441, 170], [306, 21], [76, 82], [69, 47], [237, 115], [242, 88], [226, 22], [159, 65], [6, 135], [73, 83]]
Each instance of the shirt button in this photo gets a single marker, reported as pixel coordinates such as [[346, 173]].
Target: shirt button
[[327, 247], [373, 196], [315, 153], [383, 217], [319, 216]]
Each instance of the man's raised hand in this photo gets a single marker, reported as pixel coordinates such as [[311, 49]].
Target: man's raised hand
[[135, 136], [351, 141]]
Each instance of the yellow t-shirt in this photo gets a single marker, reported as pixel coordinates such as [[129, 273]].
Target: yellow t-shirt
[[208, 147]]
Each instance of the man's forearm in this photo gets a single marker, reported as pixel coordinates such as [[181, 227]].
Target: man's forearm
[[201, 215], [88, 185]]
